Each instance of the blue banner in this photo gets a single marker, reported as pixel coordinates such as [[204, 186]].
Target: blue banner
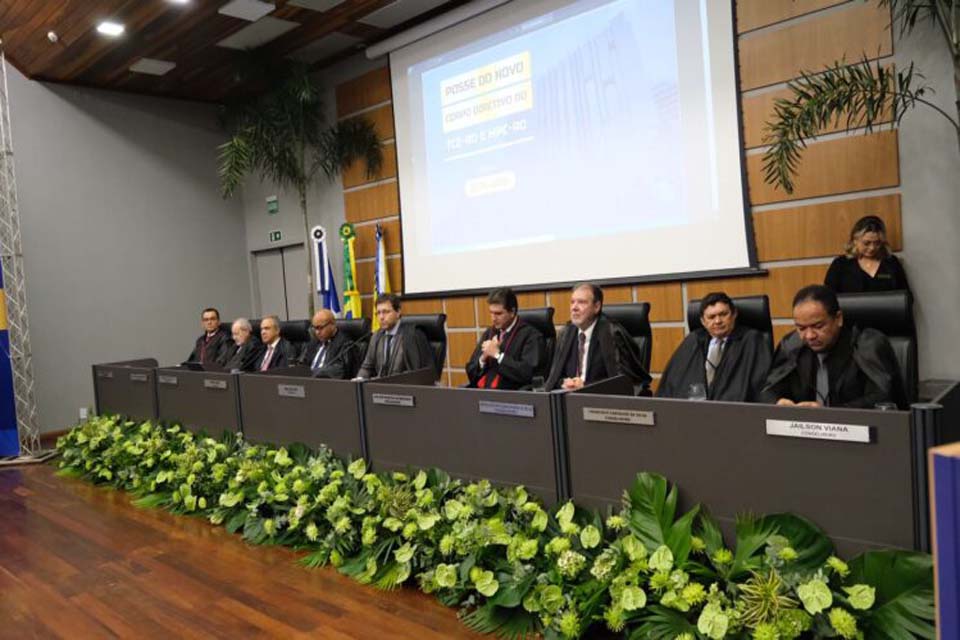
[[9, 444]]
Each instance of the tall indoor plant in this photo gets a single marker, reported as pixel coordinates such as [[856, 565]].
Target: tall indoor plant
[[282, 136]]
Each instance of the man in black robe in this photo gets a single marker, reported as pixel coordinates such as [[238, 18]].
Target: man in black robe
[[247, 348], [825, 363], [330, 354], [396, 347], [593, 347], [729, 362], [510, 352], [213, 346]]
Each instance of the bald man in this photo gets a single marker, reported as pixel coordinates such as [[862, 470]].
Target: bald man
[[329, 354]]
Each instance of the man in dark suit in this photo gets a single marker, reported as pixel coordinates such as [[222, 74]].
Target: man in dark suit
[[510, 352], [593, 347], [213, 346], [329, 355], [247, 349], [826, 363], [724, 360], [277, 351], [396, 347]]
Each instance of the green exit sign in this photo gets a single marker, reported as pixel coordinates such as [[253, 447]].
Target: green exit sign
[[275, 236]]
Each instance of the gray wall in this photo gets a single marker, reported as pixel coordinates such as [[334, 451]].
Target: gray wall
[[930, 182], [125, 236]]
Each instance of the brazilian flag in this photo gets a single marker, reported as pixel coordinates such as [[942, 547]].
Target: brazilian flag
[[351, 296]]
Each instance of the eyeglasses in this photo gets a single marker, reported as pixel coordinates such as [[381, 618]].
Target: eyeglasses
[[321, 327]]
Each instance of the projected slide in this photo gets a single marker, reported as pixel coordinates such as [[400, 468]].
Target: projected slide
[[502, 125], [602, 133]]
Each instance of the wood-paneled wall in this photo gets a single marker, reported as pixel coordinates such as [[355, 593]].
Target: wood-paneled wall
[[842, 177]]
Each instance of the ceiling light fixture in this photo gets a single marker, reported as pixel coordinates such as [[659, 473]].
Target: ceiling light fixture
[[108, 28]]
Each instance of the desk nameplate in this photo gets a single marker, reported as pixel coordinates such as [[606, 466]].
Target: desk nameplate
[[619, 416], [167, 379], [512, 409], [393, 400], [214, 384], [138, 377], [820, 431], [291, 391]]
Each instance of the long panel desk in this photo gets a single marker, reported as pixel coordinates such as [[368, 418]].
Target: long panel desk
[[506, 437], [126, 388], [720, 455], [205, 400], [283, 409], [586, 445]]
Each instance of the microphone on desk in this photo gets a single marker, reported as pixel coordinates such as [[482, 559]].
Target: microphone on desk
[[343, 352]]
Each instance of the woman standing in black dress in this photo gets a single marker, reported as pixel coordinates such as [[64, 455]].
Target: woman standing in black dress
[[868, 265]]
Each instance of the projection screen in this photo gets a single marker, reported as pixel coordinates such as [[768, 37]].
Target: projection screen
[[553, 141]]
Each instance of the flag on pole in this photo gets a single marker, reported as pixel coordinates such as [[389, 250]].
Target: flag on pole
[[381, 277], [351, 296], [9, 440], [323, 272]]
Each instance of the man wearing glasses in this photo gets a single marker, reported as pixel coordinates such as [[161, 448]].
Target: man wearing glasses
[[329, 354], [213, 347]]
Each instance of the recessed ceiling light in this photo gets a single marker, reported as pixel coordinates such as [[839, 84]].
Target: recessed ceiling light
[[250, 10], [179, 1], [152, 66], [108, 28]]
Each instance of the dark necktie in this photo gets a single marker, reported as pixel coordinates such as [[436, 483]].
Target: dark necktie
[[823, 380], [318, 359], [386, 354], [714, 354], [581, 351]]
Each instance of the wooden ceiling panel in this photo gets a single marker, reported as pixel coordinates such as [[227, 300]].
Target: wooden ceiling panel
[[186, 35]]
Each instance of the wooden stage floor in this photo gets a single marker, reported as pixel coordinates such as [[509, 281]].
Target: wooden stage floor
[[78, 561]]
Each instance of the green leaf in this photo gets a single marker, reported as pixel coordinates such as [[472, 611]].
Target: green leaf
[[752, 536], [510, 624], [660, 622], [152, 501], [512, 590], [812, 545], [651, 516], [904, 606]]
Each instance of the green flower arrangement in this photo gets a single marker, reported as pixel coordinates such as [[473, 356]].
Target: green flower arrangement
[[513, 567]]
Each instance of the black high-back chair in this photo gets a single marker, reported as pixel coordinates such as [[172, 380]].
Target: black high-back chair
[[433, 326], [891, 313], [356, 330], [297, 333], [635, 318], [541, 319], [752, 311]]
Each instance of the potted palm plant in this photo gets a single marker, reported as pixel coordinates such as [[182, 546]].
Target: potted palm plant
[[860, 94], [281, 135]]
